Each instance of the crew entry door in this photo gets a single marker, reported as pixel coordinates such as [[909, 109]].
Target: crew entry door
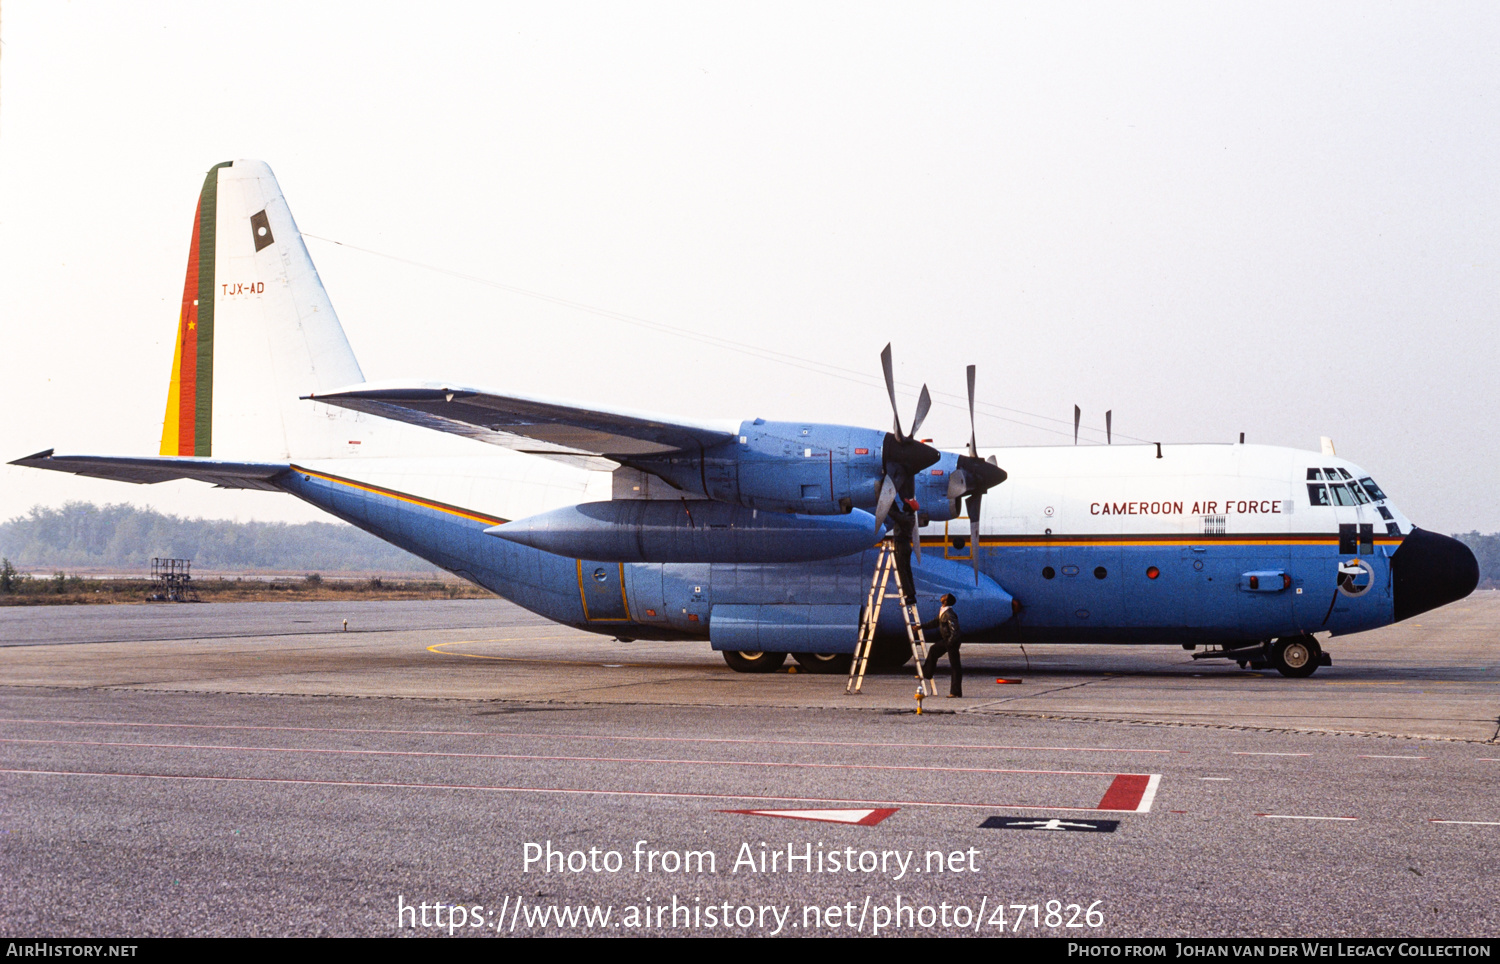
[[601, 586]]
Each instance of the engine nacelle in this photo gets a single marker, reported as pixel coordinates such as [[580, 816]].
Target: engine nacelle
[[800, 467]]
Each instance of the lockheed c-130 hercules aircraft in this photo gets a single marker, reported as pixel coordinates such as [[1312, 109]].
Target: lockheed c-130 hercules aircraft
[[762, 536]]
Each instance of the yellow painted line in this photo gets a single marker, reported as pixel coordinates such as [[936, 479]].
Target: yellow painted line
[[436, 648], [1406, 682], [402, 497], [504, 659]]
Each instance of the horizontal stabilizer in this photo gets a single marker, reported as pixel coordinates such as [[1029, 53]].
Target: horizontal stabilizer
[[536, 426], [149, 469]]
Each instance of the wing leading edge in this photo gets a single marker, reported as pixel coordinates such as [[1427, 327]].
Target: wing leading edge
[[548, 427]]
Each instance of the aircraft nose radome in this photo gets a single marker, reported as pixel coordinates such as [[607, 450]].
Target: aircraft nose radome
[[1429, 570]]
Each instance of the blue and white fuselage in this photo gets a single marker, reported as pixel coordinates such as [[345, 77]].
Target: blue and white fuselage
[[1222, 544]]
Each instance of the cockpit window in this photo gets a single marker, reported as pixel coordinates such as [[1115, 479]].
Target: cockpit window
[[1344, 490], [1384, 512]]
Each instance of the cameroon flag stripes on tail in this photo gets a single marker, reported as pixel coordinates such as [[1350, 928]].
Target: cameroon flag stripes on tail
[[188, 426]]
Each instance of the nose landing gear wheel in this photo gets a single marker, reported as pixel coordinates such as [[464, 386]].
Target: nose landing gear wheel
[[824, 662], [1296, 656], [748, 662]]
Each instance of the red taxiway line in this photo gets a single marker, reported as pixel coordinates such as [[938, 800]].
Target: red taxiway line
[[569, 736]]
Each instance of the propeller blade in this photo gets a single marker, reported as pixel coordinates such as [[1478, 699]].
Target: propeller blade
[[1077, 415], [973, 447], [890, 387], [924, 402], [916, 537], [958, 485], [883, 506], [974, 534], [1108, 428], [903, 550]]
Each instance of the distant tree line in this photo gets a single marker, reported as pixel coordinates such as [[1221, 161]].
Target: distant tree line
[[84, 534]]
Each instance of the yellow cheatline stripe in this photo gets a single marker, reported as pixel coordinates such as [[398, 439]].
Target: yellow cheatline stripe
[[1152, 543], [1166, 542], [582, 596], [402, 497]]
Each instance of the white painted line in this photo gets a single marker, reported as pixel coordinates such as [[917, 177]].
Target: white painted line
[[1149, 797], [1372, 756], [1489, 759], [335, 751], [868, 817], [1471, 823], [1222, 779], [1260, 753], [1293, 816]]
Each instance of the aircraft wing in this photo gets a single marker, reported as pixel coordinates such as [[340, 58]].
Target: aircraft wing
[[552, 428], [149, 469]]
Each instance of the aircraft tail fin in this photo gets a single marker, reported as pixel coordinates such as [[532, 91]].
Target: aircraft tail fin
[[256, 331]]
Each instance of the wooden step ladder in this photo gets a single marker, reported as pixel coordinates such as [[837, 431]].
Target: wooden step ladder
[[886, 584]]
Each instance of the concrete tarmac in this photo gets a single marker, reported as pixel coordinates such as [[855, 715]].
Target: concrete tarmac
[[256, 769]]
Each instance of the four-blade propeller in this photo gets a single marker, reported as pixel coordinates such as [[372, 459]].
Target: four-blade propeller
[[902, 457], [973, 478]]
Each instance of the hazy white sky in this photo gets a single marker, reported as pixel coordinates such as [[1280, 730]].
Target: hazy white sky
[[1209, 218]]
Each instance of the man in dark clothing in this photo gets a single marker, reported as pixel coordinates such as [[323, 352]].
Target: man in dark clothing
[[948, 630]]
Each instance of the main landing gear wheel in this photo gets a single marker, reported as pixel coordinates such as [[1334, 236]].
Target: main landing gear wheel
[[1297, 656], [824, 662], [747, 662]]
